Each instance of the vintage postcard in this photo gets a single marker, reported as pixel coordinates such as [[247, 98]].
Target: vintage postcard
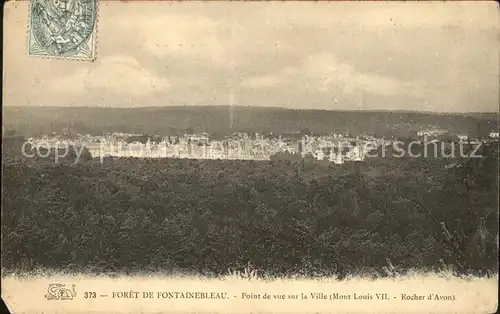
[[250, 157]]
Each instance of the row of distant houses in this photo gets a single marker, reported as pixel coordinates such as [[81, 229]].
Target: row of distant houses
[[440, 132]]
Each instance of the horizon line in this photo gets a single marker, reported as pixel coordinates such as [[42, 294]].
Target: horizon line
[[258, 107]]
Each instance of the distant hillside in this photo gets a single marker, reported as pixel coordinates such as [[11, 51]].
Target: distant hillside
[[30, 121]]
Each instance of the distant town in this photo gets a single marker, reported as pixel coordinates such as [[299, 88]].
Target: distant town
[[336, 148]]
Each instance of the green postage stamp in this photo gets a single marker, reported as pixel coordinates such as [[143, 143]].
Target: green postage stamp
[[63, 29]]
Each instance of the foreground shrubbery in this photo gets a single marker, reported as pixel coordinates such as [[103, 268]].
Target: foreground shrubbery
[[283, 217]]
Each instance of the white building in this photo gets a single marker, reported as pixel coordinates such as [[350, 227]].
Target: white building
[[336, 158], [355, 154], [432, 132], [95, 149], [319, 154]]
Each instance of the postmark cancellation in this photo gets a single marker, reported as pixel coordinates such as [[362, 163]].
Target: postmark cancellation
[[63, 29]]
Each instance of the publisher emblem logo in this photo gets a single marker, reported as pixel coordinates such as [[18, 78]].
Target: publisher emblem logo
[[58, 291]]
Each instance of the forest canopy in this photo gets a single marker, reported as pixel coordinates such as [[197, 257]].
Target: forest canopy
[[284, 216]]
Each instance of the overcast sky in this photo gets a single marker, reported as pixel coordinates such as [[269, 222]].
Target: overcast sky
[[334, 55]]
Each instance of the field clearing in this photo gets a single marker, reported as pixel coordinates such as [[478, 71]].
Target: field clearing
[[472, 294]]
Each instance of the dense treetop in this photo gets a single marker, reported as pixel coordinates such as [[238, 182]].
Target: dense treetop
[[283, 216]]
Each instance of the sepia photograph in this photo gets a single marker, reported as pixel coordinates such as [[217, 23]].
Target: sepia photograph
[[237, 157]]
